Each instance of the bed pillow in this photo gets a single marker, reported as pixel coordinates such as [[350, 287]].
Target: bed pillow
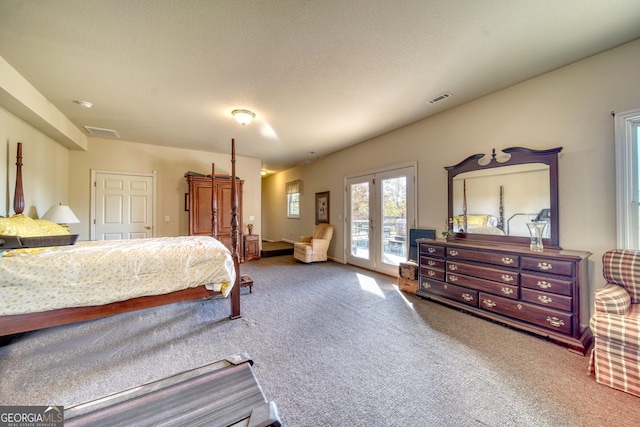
[[473, 220], [24, 226]]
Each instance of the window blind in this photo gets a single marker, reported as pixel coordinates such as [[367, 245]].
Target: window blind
[[293, 187]]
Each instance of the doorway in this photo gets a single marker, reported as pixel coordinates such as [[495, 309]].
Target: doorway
[[122, 205], [380, 210]]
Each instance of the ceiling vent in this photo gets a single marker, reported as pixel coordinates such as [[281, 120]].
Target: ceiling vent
[[440, 98], [102, 132]]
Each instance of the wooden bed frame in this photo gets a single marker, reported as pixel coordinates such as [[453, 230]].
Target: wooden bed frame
[[18, 323]]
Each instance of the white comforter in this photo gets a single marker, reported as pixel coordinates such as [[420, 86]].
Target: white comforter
[[101, 272]]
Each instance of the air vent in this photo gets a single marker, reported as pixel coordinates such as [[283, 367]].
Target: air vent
[[102, 132], [440, 98]]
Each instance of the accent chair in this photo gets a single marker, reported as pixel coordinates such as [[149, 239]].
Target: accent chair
[[615, 358], [314, 248]]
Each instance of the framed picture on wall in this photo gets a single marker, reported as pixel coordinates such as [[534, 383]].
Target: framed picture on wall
[[322, 207]]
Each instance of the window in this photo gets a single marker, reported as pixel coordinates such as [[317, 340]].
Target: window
[[628, 179], [293, 190]]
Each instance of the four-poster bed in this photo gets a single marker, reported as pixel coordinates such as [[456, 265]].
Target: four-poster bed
[[28, 321]]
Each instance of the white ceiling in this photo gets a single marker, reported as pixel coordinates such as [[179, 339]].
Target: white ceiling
[[320, 75]]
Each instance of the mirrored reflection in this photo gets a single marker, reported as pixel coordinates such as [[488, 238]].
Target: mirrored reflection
[[501, 201]]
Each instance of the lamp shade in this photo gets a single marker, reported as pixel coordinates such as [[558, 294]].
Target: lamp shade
[[61, 215]]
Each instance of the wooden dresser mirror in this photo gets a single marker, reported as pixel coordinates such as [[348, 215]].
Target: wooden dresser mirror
[[492, 197]]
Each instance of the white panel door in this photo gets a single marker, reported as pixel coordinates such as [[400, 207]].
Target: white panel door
[[123, 206]]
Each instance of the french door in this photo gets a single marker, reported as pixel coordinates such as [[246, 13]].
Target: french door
[[380, 212]]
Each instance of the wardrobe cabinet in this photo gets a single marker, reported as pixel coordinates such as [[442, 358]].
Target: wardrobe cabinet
[[199, 206]]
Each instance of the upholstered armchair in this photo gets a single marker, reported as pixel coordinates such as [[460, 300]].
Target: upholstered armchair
[[314, 248], [615, 358]]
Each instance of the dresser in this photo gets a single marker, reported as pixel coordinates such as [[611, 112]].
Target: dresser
[[199, 206], [544, 293]]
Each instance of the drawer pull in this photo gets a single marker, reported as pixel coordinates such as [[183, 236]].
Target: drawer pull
[[431, 273], [544, 299], [519, 306], [453, 267], [453, 278], [507, 260], [426, 285], [431, 250], [544, 266], [506, 291], [453, 252], [544, 284], [489, 303], [507, 278], [554, 321], [431, 263], [445, 286], [467, 297]]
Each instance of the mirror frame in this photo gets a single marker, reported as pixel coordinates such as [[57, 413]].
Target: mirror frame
[[519, 156]]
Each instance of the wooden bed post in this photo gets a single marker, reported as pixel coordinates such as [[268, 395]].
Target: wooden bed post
[[18, 195], [235, 292], [214, 203]]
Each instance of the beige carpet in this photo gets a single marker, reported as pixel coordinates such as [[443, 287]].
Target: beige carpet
[[333, 345]]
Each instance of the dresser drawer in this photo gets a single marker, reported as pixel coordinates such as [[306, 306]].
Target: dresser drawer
[[431, 250], [430, 273], [546, 317], [497, 258], [546, 284], [508, 291], [435, 263], [504, 276], [552, 266], [561, 302], [458, 293]]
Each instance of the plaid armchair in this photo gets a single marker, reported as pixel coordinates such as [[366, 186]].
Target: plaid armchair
[[615, 358]]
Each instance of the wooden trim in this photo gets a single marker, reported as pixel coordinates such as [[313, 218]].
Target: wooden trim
[[18, 323]]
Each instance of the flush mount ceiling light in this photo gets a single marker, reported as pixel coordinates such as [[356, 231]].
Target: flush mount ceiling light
[[84, 104], [244, 117]]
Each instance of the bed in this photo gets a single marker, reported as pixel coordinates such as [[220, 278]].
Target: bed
[[97, 279], [479, 223]]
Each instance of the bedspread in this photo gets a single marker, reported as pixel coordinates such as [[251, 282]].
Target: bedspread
[[101, 272]]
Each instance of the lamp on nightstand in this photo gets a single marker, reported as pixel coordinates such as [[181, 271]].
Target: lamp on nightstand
[[62, 215]]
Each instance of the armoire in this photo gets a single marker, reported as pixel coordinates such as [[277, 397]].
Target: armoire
[[199, 205]]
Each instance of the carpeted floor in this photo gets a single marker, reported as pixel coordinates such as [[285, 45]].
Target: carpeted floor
[[333, 345]]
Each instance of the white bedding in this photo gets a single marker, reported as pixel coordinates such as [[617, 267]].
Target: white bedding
[[101, 272], [486, 230]]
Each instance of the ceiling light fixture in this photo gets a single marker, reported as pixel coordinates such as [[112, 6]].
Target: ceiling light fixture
[[84, 104], [244, 117]]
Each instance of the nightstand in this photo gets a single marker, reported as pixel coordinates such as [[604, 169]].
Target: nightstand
[[251, 247]]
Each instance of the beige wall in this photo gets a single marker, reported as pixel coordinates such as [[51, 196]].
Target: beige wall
[[170, 165], [570, 107], [44, 171]]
